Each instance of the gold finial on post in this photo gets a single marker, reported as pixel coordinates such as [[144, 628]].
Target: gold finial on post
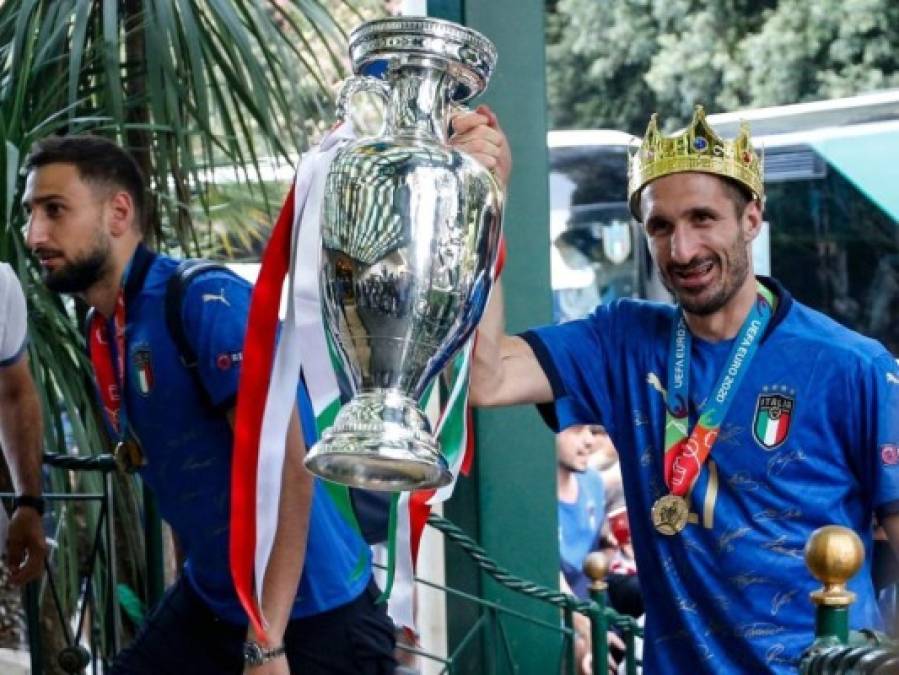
[[596, 566], [833, 554]]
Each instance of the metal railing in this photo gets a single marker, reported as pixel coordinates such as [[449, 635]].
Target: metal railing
[[89, 641], [863, 655], [490, 624], [99, 569], [833, 555]]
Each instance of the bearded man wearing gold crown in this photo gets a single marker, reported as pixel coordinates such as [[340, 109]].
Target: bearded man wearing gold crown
[[744, 420]]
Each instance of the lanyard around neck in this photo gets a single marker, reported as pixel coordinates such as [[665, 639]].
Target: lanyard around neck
[[107, 352], [685, 455]]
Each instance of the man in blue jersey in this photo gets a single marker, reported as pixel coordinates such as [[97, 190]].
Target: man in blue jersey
[[85, 201], [743, 419]]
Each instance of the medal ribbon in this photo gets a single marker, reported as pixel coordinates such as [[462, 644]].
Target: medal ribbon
[[107, 352], [685, 455]]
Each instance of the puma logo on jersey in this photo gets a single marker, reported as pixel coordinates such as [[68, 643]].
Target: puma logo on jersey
[[653, 381], [212, 297], [892, 379]]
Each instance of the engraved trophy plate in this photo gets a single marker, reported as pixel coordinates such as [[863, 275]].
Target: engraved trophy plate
[[410, 234]]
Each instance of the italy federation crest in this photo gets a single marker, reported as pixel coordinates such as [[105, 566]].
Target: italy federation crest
[[143, 371], [773, 413]]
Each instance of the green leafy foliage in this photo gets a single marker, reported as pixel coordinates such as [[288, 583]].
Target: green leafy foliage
[[187, 86], [612, 63]]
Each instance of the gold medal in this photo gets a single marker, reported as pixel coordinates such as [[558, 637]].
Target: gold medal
[[669, 514], [129, 456]]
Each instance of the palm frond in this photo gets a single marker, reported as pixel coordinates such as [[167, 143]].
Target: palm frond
[[188, 86]]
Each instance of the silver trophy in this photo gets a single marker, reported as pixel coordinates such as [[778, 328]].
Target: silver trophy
[[410, 234]]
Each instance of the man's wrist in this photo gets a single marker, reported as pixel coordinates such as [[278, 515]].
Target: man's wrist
[[29, 501], [255, 654]]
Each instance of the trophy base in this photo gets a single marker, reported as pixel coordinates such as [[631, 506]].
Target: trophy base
[[380, 440]]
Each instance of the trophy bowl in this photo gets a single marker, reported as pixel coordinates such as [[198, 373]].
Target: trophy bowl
[[410, 234]]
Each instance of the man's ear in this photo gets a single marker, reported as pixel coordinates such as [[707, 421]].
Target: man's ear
[[752, 220], [121, 213]]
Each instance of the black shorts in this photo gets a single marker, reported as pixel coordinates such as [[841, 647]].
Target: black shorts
[[182, 636]]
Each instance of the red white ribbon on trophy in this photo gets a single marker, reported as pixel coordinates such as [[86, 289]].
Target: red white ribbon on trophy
[[264, 406]]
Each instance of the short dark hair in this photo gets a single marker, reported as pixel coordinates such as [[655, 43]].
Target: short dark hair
[[98, 160], [739, 194]]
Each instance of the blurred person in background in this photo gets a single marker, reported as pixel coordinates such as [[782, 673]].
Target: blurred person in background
[[20, 436], [624, 587], [583, 526]]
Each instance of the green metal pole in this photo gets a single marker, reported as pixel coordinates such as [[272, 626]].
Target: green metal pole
[[599, 626], [832, 622], [153, 544], [114, 619], [569, 643], [491, 650], [33, 619], [631, 657]]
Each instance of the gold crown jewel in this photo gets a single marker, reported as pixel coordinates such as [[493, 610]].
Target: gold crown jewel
[[697, 148]]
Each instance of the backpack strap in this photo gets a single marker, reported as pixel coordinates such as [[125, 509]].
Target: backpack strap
[[175, 290], [86, 328]]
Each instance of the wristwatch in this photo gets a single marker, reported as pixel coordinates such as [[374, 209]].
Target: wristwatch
[[36, 503], [254, 654]]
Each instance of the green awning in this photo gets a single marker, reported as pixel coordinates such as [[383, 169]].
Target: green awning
[[870, 160]]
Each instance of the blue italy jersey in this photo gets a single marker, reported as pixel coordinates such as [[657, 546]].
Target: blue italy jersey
[[811, 439], [180, 421], [580, 525]]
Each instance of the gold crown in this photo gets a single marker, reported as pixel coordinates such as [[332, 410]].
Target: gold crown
[[698, 148]]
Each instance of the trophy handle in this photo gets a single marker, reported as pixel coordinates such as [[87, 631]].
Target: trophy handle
[[360, 84]]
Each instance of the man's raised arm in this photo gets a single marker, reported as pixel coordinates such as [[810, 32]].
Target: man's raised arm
[[504, 370]]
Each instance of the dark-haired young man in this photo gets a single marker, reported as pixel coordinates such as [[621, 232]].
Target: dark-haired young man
[[84, 198], [743, 419]]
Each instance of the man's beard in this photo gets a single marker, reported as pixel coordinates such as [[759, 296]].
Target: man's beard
[[738, 268], [80, 274]]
